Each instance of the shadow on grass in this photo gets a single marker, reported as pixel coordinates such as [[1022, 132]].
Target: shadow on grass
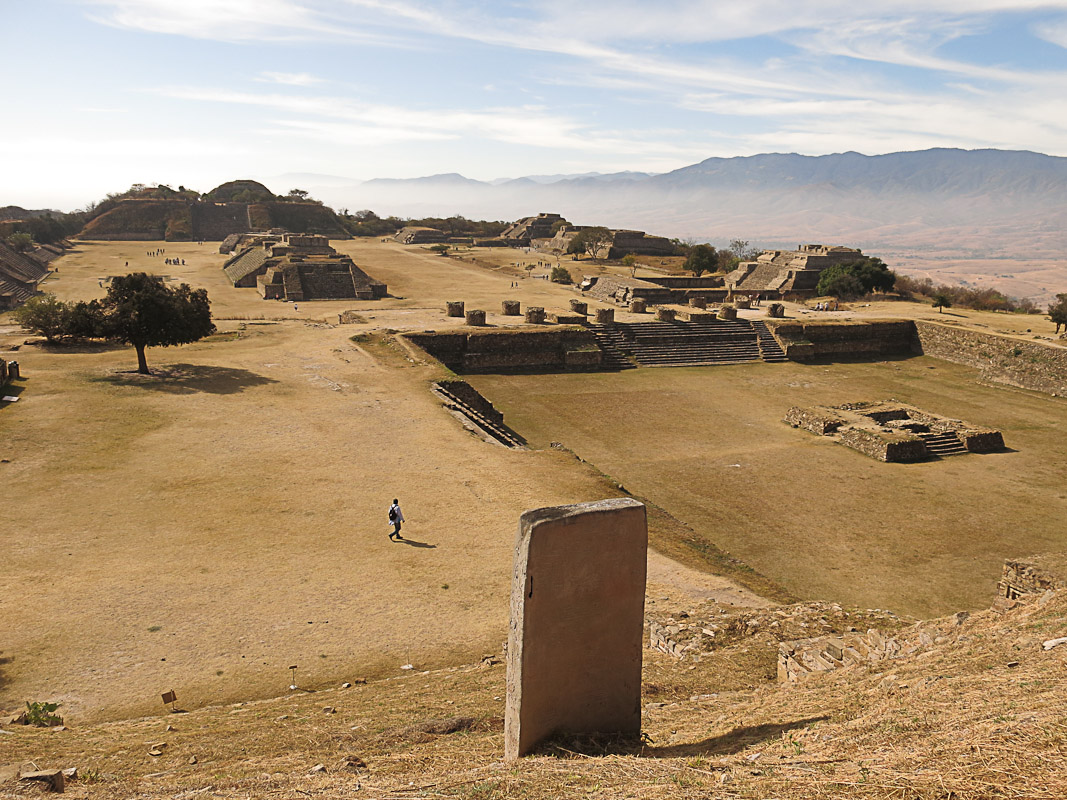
[[726, 744], [80, 346], [4, 661], [413, 543], [10, 390], [190, 379]]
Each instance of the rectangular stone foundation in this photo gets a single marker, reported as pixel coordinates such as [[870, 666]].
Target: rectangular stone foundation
[[577, 616]]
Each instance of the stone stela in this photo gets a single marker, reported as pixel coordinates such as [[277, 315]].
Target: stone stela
[[577, 617]]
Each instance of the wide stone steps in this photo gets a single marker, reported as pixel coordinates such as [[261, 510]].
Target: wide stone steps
[[501, 433], [943, 444], [685, 343]]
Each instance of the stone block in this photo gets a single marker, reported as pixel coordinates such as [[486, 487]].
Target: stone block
[[605, 316], [535, 315], [579, 307], [454, 308], [565, 318], [637, 306], [698, 302], [728, 313], [475, 317], [776, 310], [665, 314], [577, 616], [743, 302], [510, 308]]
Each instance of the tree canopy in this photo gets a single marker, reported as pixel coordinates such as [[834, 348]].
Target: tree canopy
[[595, 241], [143, 311], [941, 301], [1057, 311], [856, 278], [702, 258]]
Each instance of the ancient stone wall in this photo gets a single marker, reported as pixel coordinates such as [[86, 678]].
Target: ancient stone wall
[[890, 447], [806, 340], [552, 350], [473, 398], [1033, 575], [814, 420], [1029, 365]]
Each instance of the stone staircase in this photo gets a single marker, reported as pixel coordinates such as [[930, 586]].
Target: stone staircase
[[943, 444], [612, 344], [769, 349], [676, 344], [487, 426]]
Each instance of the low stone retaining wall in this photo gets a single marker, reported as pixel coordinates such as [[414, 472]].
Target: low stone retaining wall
[[473, 398], [552, 350], [1030, 365], [806, 340]]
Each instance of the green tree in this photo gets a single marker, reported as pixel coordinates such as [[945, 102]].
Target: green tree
[[44, 314], [941, 301], [561, 274], [702, 258], [630, 261], [297, 194], [1057, 312], [742, 251], [143, 311], [21, 242], [595, 241], [839, 281], [856, 278], [440, 249]]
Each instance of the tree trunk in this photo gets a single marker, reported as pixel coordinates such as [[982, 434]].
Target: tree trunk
[[142, 363]]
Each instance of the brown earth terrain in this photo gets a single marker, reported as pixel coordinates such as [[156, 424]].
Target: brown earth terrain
[[206, 527]]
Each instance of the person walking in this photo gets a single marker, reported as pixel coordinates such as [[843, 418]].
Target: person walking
[[396, 517]]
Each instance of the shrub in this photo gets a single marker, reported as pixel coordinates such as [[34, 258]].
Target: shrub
[[561, 275], [41, 715]]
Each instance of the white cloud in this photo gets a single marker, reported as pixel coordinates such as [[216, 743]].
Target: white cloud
[[289, 78]]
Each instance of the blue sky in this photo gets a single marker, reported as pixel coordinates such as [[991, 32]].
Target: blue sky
[[104, 93]]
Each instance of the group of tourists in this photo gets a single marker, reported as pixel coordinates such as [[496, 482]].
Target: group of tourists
[[826, 306], [174, 262]]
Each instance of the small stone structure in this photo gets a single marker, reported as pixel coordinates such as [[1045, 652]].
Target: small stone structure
[[665, 314], [521, 233], [807, 340], [605, 316], [418, 235], [777, 273], [577, 615], [475, 317], [579, 307], [698, 301], [535, 315], [637, 306], [566, 318], [511, 308], [728, 313], [454, 308], [743, 302], [1033, 575], [776, 310], [300, 267], [895, 432]]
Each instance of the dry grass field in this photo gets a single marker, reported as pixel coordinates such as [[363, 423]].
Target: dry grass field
[[207, 527], [822, 520]]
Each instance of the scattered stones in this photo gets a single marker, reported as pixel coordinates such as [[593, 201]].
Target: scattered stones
[[317, 768], [193, 760], [329, 710], [1049, 644], [53, 777]]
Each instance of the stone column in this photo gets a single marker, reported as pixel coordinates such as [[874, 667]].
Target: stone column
[[728, 313], [579, 307], [455, 308], [665, 314], [577, 616], [510, 308], [698, 302], [605, 316], [535, 315], [743, 302], [475, 317], [637, 306], [776, 310]]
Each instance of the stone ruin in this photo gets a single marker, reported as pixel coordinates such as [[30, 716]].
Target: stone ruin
[[1023, 577], [574, 648], [417, 235], [622, 242], [789, 272], [300, 267], [522, 232], [895, 432]]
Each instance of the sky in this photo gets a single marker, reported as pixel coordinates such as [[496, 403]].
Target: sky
[[101, 94]]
